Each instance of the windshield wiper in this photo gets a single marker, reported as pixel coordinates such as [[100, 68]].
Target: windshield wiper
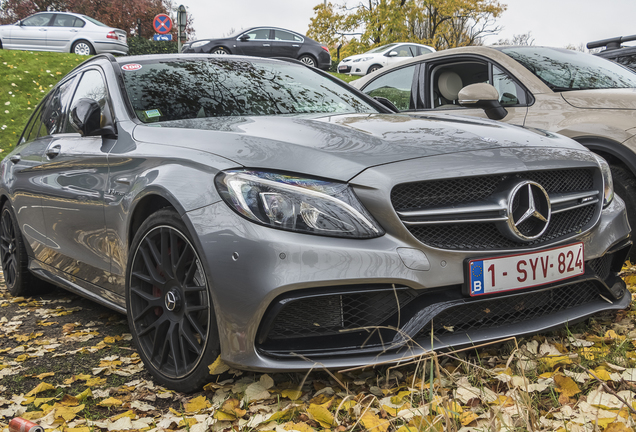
[[564, 89]]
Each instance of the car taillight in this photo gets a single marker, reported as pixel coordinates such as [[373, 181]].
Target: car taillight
[[112, 35], [325, 48]]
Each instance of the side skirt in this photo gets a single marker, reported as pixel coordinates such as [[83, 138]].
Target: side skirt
[[78, 286]]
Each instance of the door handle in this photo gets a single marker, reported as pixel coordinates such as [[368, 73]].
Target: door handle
[[51, 152], [265, 44], [295, 46], [15, 158], [42, 29]]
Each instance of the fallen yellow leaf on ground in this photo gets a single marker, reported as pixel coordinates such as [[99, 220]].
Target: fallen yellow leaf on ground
[[218, 367], [373, 423], [110, 402], [321, 415], [197, 404], [566, 386], [42, 387]]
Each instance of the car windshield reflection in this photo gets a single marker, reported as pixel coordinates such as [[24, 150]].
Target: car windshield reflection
[[563, 69], [187, 89]]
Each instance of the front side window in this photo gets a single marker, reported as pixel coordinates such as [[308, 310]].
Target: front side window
[[403, 51], [91, 86], [447, 80], [53, 109], [510, 93], [187, 89], [394, 86], [39, 20], [562, 69], [257, 34]]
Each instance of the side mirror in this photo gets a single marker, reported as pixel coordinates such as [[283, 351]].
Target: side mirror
[[392, 54], [86, 118], [484, 96], [19, 23], [244, 38]]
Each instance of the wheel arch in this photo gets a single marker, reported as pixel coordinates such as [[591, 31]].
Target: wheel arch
[[81, 40], [149, 203], [379, 65], [612, 151]]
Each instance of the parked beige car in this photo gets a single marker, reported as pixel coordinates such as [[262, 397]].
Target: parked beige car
[[582, 96]]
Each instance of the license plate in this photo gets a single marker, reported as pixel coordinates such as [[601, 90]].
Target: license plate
[[343, 67], [513, 272]]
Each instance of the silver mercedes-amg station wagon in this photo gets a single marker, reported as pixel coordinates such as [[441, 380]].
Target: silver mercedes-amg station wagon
[[266, 212]]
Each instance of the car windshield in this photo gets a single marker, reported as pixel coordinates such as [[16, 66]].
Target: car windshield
[[562, 69], [198, 88], [380, 49], [94, 21]]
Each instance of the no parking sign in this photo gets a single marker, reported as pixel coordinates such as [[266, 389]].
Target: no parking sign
[[162, 24]]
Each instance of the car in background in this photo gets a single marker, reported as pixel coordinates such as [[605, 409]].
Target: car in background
[[266, 42], [382, 56], [63, 32], [615, 51], [269, 213], [582, 96]]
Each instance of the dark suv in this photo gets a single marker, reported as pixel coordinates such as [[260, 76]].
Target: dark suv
[[615, 51]]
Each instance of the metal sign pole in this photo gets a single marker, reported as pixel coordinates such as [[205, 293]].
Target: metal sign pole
[[181, 25]]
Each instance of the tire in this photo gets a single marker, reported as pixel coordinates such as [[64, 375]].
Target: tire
[[625, 187], [308, 60], [220, 51], [15, 261], [169, 305], [374, 68], [82, 47]]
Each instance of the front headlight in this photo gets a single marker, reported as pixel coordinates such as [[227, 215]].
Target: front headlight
[[608, 183], [199, 44], [297, 204]]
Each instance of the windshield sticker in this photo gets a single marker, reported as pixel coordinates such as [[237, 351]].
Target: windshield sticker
[[131, 67], [152, 113]]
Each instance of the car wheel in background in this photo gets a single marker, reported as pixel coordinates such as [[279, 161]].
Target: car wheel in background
[[308, 60], [625, 187], [219, 50], [169, 305], [14, 257], [82, 47], [374, 68]]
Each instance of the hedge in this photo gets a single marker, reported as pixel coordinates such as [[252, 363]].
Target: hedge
[[139, 46]]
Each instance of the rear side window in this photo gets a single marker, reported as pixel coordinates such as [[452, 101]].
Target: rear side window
[[62, 20], [31, 130], [395, 86], [286, 36]]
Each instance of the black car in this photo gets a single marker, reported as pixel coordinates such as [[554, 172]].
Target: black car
[[625, 55], [266, 42]]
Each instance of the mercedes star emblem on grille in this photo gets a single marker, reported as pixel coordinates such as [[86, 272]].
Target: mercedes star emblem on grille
[[528, 210]]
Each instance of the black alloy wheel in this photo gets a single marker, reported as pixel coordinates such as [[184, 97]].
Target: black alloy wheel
[[19, 280], [169, 307]]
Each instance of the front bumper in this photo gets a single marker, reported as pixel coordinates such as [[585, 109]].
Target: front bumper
[[273, 268]]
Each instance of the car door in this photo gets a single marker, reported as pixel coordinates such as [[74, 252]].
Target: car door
[[22, 175], [61, 32], [285, 44], [74, 175], [258, 43], [31, 33]]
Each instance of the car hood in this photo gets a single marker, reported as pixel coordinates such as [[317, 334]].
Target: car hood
[[624, 98], [340, 146]]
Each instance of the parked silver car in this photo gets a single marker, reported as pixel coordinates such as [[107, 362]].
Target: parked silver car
[[267, 212], [63, 32]]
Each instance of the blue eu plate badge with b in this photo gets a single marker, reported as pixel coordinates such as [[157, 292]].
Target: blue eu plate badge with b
[[476, 277]]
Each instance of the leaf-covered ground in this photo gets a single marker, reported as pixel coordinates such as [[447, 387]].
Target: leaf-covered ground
[[68, 364]]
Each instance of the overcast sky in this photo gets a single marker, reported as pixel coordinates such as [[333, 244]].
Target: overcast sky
[[552, 22]]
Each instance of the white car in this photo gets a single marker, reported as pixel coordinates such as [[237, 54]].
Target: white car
[[63, 32], [379, 57]]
